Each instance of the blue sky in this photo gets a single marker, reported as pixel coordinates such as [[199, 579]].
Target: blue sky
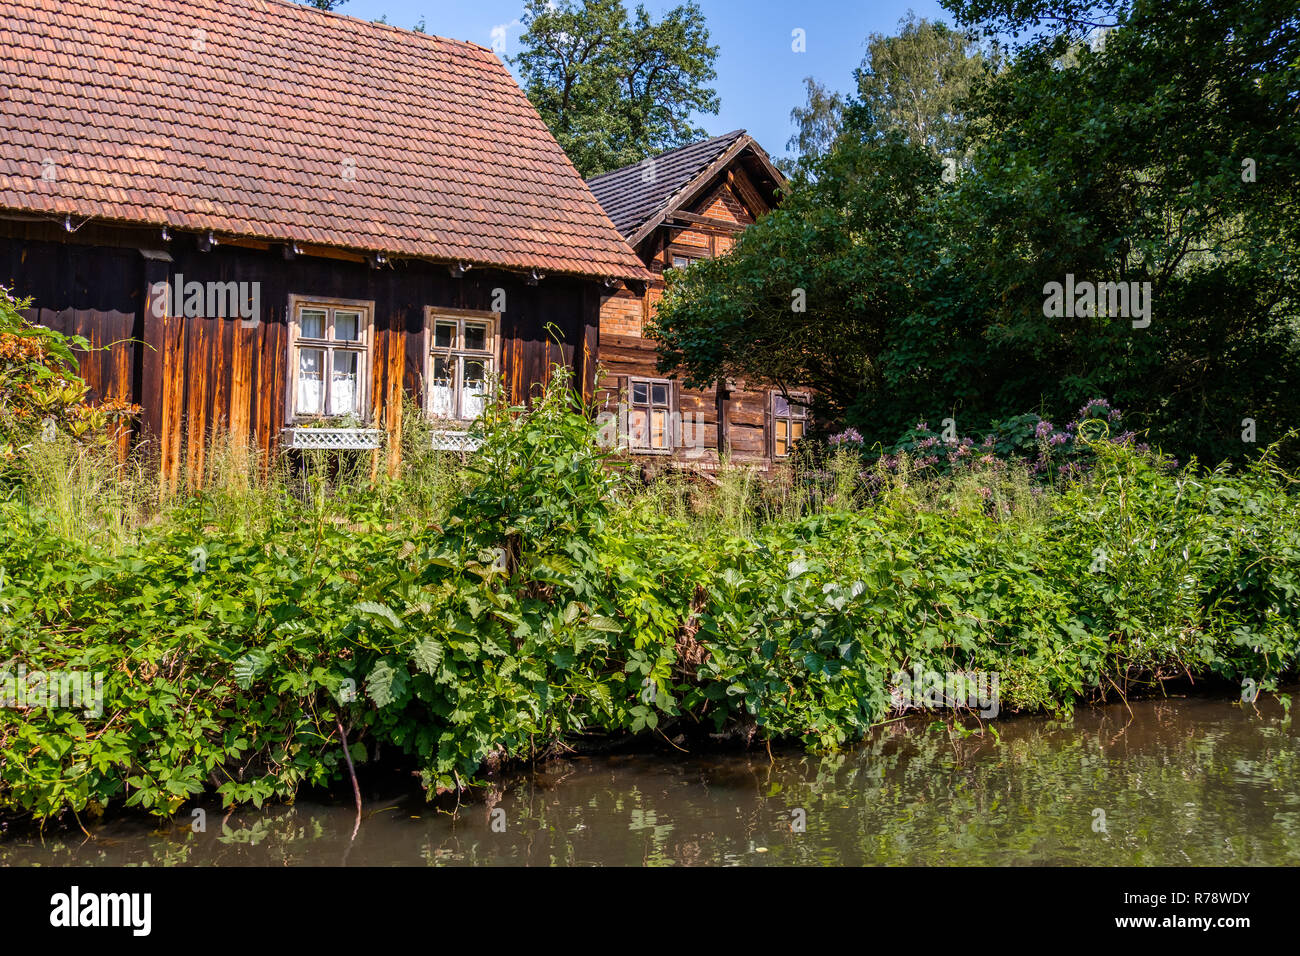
[[759, 77]]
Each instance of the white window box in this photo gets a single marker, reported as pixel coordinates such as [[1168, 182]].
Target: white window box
[[447, 440], [333, 439]]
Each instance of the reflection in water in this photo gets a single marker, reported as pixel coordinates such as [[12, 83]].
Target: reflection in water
[[1193, 782]]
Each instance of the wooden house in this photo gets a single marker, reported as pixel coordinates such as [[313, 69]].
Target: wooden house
[[686, 204], [278, 222]]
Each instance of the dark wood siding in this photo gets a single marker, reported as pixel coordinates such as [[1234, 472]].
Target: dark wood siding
[[196, 375]]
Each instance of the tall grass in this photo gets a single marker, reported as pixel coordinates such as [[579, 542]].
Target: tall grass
[[86, 493], [89, 495]]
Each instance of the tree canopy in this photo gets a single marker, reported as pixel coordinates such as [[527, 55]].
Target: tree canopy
[[615, 88], [1164, 154], [817, 123], [916, 81], [913, 83]]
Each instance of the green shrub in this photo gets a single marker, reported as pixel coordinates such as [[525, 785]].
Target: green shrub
[[41, 395], [554, 599]]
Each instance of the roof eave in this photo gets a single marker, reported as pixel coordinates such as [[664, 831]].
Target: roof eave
[[633, 271]]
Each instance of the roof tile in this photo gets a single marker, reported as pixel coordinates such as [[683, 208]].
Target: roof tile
[[633, 194], [245, 117]]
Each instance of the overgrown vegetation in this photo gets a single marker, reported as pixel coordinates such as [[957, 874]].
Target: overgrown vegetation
[[907, 274], [469, 614], [41, 394]]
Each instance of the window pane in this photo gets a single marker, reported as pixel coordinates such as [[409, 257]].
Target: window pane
[[640, 393], [781, 446], [658, 394], [476, 387], [345, 386], [347, 326], [444, 335], [796, 431], [658, 429], [798, 411], [780, 407], [442, 394], [681, 262], [638, 428], [311, 382], [475, 336], [312, 322]]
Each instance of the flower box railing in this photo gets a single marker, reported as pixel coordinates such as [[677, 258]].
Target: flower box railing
[[333, 439], [455, 441], [360, 439]]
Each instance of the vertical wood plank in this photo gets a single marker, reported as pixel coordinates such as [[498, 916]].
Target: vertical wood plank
[[171, 399], [393, 398], [378, 385], [197, 351], [241, 380], [154, 275]]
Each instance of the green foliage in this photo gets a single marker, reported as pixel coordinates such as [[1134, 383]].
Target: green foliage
[[42, 399], [1025, 441], [916, 82], [1124, 163], [556, 600], [913, 84], [811, 295], [614, 89], [817, 124]]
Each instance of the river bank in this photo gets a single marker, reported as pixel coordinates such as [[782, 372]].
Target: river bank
[[255, 640], [1192, 781]]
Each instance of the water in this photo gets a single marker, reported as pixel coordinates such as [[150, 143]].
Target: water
[[1186, 781]]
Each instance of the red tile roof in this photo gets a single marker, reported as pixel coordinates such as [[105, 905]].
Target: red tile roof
[[268, 119]]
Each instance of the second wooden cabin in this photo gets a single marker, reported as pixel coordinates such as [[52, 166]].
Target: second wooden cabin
[[674, 209]]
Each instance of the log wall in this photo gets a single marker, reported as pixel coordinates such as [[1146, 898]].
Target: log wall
[[196, 375], [738, 420]]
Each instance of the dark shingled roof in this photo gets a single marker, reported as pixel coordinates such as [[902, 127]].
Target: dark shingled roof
[[272, 120], [633, 194]]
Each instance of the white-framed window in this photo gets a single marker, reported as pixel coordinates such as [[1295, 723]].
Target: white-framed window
[[329, 358], [684, 262], [461, 368], [789, 419], [650, 415]]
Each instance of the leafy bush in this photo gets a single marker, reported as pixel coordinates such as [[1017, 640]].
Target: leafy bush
[[41, 395], [556, 600], [1049, 452]]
